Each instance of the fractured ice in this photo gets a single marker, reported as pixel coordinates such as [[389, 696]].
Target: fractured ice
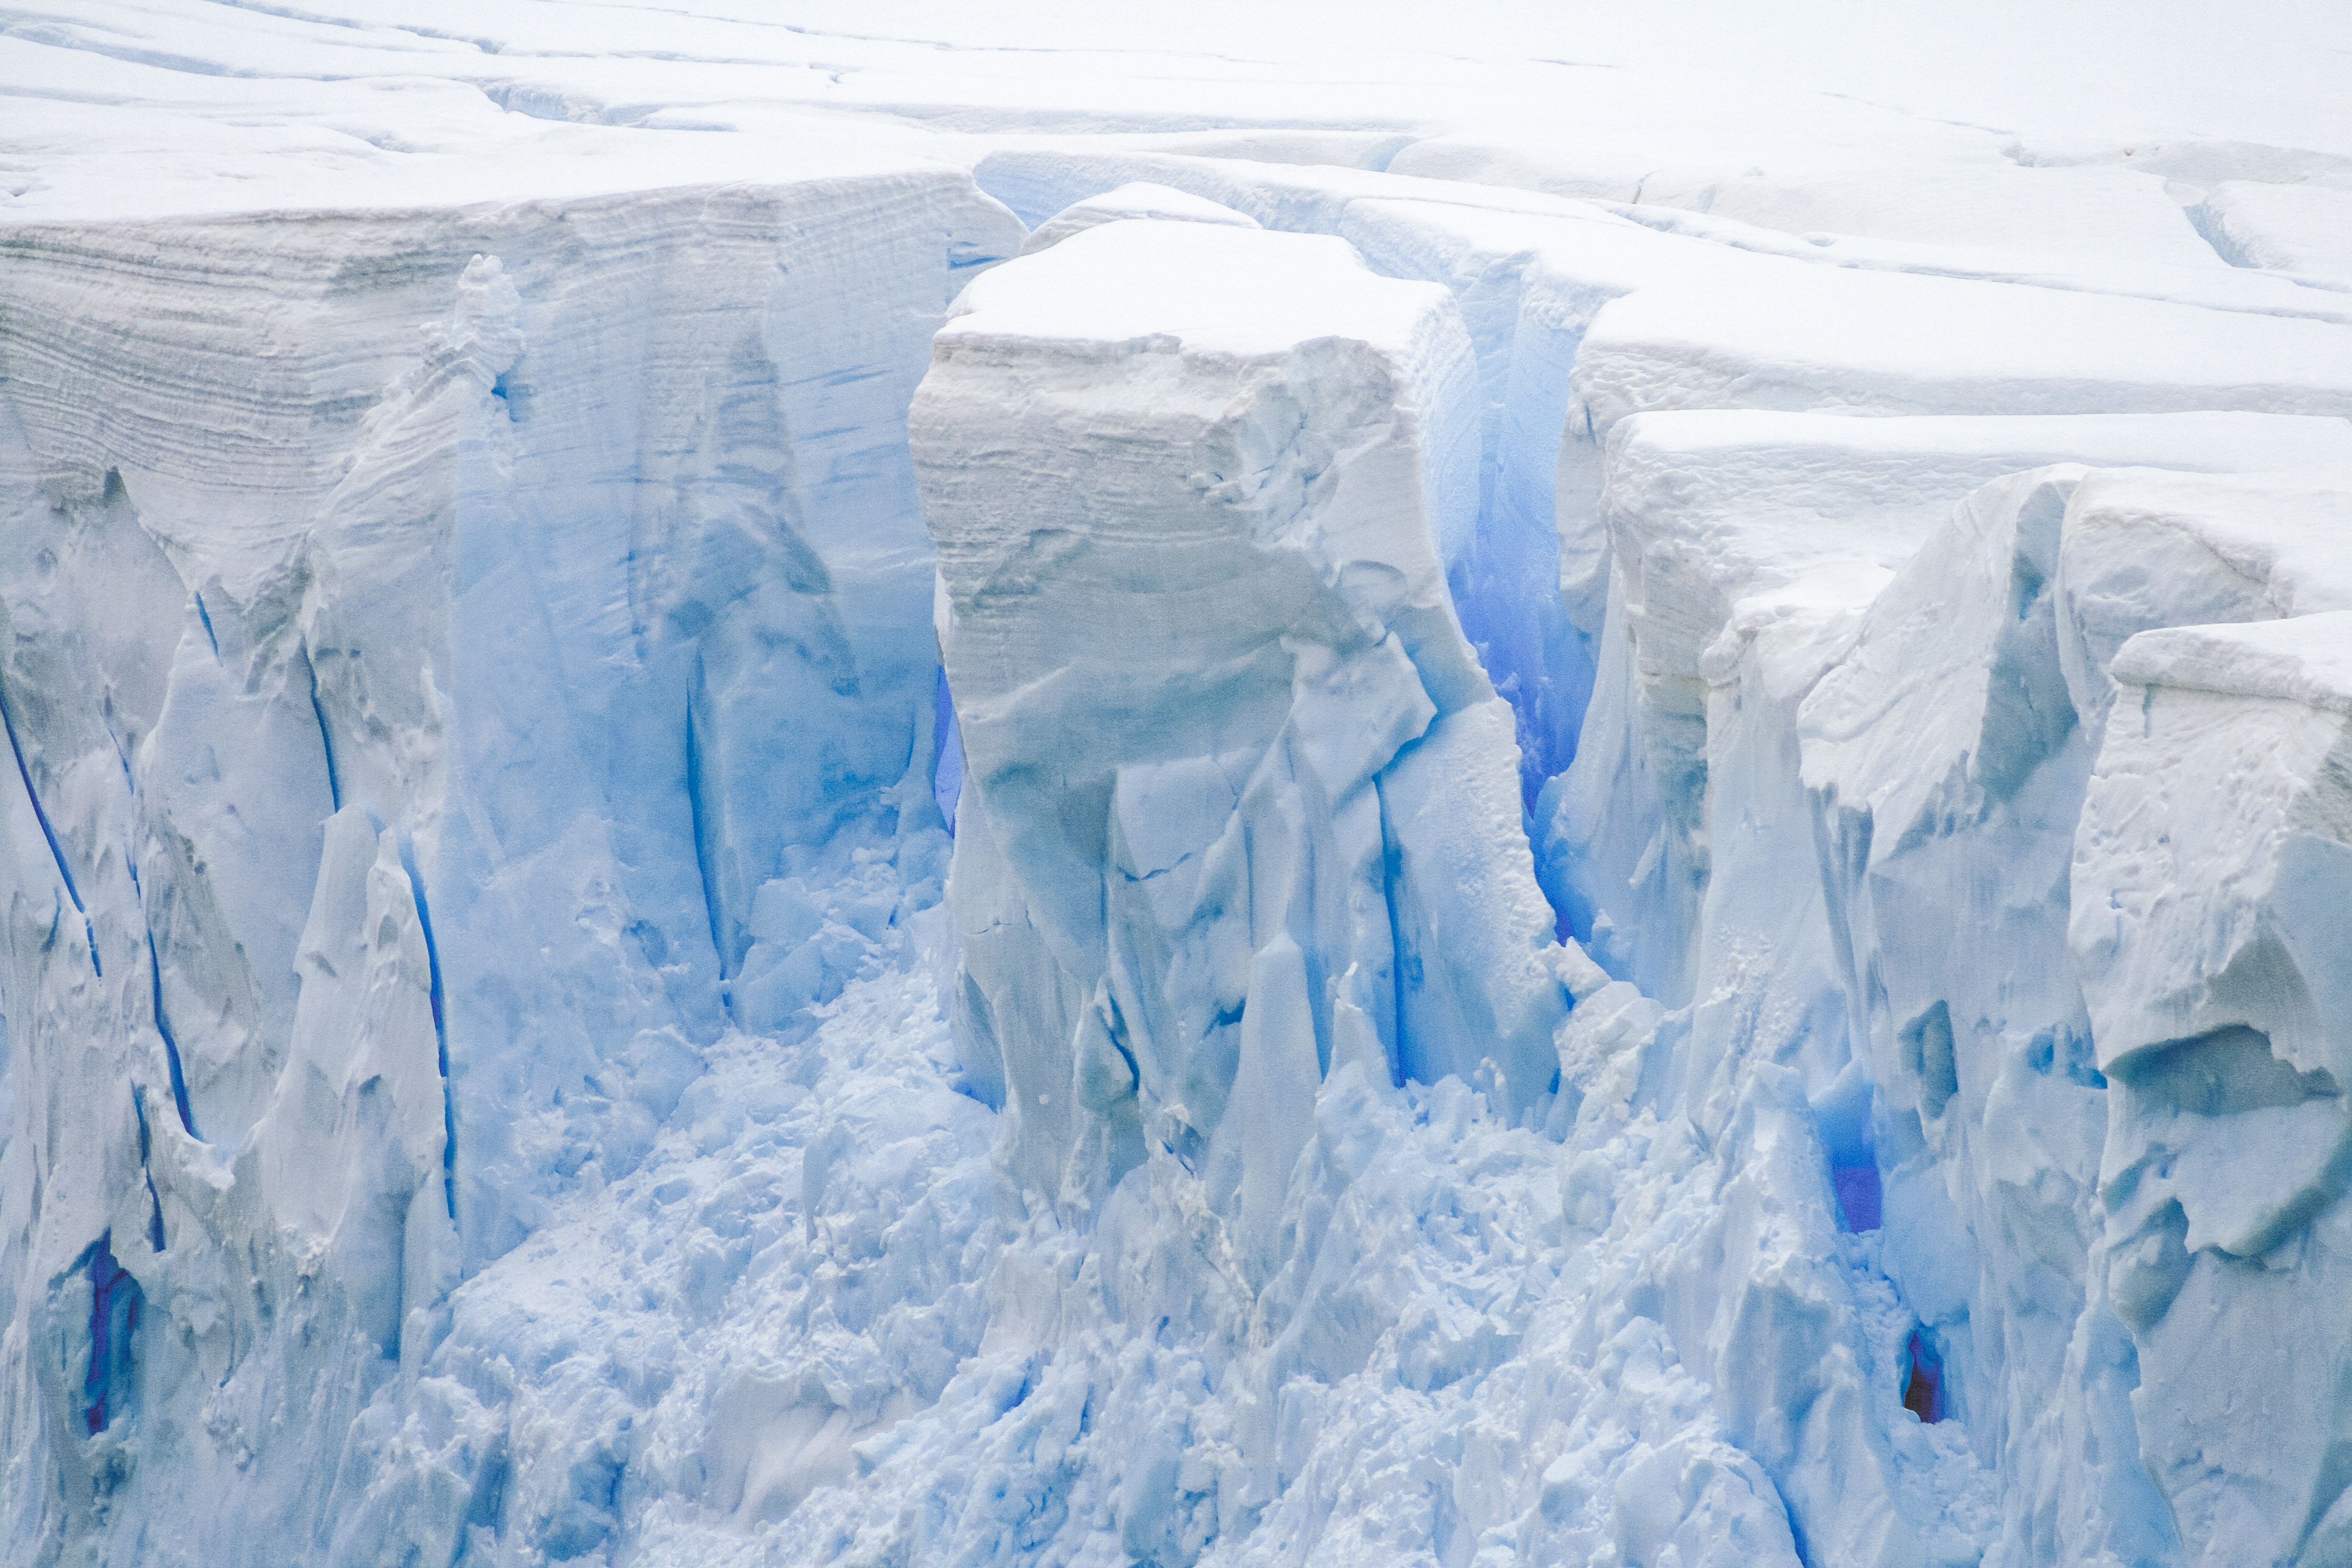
[[1115, 835]]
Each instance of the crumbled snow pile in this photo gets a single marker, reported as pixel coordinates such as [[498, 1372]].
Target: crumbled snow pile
[[909, 785]]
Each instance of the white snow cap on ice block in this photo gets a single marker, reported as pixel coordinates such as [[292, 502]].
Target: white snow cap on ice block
[[1230, 762], [1898, 343], [1709, 510], [1138, 198], [2145, 549], [2307, 659]]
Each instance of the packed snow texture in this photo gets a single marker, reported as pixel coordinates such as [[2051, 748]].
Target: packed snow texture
[[900, 786]]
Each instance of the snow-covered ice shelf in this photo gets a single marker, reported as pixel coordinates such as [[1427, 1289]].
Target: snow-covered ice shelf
[[924, 784]]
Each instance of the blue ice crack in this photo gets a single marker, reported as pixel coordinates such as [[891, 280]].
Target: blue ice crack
[[171, 1042], [56, 851], [440, 1026], [326, 736]]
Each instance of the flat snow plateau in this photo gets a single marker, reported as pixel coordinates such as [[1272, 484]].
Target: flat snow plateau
[[903, 784]]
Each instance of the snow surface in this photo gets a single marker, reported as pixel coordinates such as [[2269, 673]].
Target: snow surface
[[913, 783]]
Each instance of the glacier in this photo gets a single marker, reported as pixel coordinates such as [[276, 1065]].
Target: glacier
[[903, 785]]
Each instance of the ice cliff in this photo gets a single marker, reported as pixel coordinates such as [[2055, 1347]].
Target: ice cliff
[[992, 812]]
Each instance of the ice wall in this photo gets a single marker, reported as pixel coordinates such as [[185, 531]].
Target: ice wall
[[1827, 792], [439, 646], [490, 1078]]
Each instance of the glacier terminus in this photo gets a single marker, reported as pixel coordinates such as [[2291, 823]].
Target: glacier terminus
[[797, 783]]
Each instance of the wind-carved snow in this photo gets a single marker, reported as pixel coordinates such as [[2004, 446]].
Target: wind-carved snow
[[1487, 838]]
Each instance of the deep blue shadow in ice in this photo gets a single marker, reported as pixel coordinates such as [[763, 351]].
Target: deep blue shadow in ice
[[1923, 1378], [205, 615], [1857, 1196], [946, 754], [1507, 598], [1504, 580], [326, 737], [700, 810], [114, 1319], [1843, 1116]]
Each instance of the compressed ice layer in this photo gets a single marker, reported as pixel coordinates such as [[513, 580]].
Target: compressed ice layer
[[1238, 801]]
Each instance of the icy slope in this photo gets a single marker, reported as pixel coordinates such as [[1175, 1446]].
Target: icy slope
[[1525, 784]]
